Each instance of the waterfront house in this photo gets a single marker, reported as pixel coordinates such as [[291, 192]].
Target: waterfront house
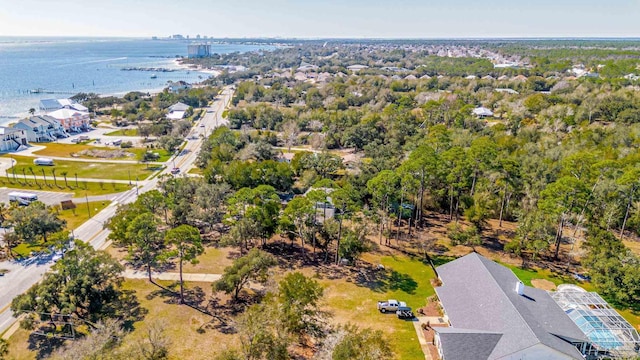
[[12, 139], [177, 111], [41, 128], [174, 87], [48, 105], [490, 314], [72, 120]]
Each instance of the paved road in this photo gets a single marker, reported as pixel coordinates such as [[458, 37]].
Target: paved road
[[23, 275]]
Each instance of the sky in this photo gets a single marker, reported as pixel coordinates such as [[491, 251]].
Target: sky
[[321, 19]]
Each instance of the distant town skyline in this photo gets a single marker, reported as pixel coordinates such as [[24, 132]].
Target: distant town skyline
[[326, 19]]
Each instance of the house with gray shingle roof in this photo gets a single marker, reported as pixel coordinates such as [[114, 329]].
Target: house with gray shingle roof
[[492, 315]]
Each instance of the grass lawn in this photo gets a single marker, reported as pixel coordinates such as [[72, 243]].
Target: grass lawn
[[355, 301], [196, 171], [123, 132], [24, 249], [115, 171], [66, 150], [213, 261], [88, 188], [526, 275], [79, 215], [185, 326], [164, 154], [19, 346], [633, 245]]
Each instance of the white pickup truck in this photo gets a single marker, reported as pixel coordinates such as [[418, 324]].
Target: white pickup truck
[[390, 305]]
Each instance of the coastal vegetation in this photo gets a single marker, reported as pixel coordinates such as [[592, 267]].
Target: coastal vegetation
[[324, 194]]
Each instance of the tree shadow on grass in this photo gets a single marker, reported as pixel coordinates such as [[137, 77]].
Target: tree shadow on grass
[[403, 282], [132, 311], [193, 297], [382, 280], [44, 346]]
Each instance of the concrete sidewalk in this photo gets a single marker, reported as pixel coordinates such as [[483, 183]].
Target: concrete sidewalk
[[170, 276]]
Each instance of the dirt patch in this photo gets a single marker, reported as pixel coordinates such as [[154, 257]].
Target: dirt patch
[[543, 284], [105, 154]]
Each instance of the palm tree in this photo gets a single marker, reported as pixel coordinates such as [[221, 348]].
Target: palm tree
[[64, 173], [34, 175], [44, 176], [55, 181], [32, 111]]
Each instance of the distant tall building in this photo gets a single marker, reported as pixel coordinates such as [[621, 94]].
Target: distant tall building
[[198, 50]]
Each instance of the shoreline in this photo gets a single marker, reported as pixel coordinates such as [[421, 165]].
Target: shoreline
[[178, 63], [6, 119]]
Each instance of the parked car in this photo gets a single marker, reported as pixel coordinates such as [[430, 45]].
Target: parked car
[[404, 312], [390, 305]]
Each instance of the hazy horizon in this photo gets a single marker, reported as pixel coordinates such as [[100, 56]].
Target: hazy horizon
[[167, 37], [355, 19]]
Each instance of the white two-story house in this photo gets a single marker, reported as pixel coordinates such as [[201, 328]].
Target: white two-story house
[[41, 128]]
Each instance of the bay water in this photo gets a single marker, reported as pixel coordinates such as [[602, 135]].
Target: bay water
[[67, 66]]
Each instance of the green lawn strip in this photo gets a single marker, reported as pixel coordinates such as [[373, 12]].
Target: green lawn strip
[[123, 132], [196, 171], [25, 249], [82, 188], [72, 151], [80, 215], [64, 150], [97, 170], [408, 280]]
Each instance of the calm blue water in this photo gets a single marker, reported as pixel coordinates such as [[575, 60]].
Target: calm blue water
[[87, 65]]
